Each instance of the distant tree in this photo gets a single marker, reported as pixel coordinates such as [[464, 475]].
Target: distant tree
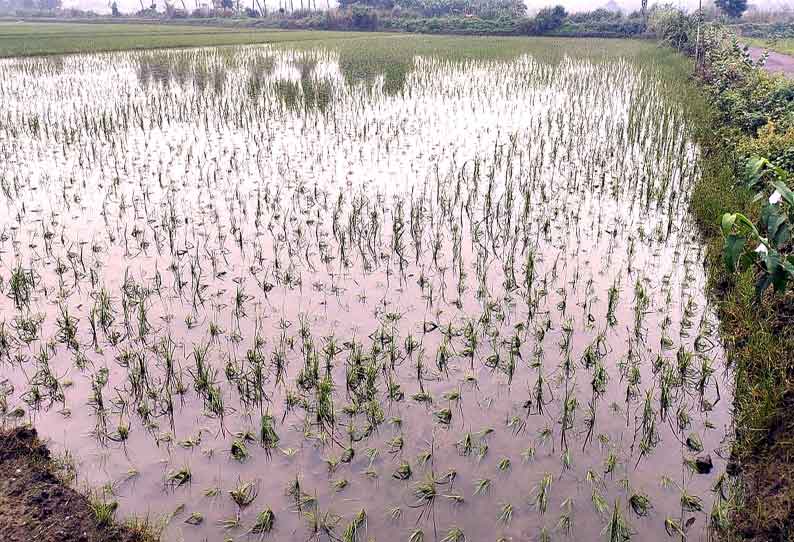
[[114, 9], [732, 8], [598, 15], [49, 4], [644, 9], [380, 4], [486, 9], [364, 17], [549, 19]]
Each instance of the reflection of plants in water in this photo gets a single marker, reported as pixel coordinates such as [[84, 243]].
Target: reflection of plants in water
[[311, 90], [392, 66]]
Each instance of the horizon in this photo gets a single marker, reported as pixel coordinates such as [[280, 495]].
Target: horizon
[[573, 6]]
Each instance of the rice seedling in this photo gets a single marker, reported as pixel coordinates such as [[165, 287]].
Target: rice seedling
[[599, 502], [403, 472], [493, 260], [640, 504], [444, 416], [195, 518], [395, 513], [565, 523], [230, 523], [482, 486], [617, 529], [673, 527], [356, 526], [454, 535], [179, 477], [239, 450], [424, 457], [455, 498], [541, 499], [264, 522], [691, 503], [104, 511], [267, 433], [322, 523], [528, 454], [693, 443], [505, 513], [244, 493]]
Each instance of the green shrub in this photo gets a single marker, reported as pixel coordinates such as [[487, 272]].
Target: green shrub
[[364, 17], [764, 247], [548, 20], [614, 28], [775, 144], [765, 30]]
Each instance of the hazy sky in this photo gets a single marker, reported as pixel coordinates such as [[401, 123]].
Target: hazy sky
[[571, 5]]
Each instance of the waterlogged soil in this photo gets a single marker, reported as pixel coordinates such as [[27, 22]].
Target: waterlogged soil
[[36, 505], [270, 291]]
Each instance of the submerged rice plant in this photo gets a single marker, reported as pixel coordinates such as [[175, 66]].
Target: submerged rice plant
[[398, 263]]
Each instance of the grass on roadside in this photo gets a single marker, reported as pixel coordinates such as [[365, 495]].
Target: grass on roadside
[[781, 45]]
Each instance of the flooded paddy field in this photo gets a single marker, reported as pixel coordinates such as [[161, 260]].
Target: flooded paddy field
[[387, 288]]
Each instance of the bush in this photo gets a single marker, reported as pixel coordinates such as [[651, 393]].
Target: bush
[[761, 30], [772, 142], [673, 26], [487, 9], [744, 94], [548, 19], [619, 28], [762, 107], [379, 4], [364, 17], [599, 15]]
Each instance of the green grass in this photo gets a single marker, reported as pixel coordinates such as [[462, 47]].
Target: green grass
[[783, 45], [759, 341], [26, 39], [362, 55], [383, 49]]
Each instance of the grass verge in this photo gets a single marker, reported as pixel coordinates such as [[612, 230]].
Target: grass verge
[[759, 344], [783, 45]]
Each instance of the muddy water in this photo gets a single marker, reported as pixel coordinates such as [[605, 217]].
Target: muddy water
[[494, 262]]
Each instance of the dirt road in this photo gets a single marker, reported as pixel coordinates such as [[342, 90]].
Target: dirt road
[[776, 63]]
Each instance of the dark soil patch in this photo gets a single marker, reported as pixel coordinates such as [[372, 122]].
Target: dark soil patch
[[35, 505], [768, 511]]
